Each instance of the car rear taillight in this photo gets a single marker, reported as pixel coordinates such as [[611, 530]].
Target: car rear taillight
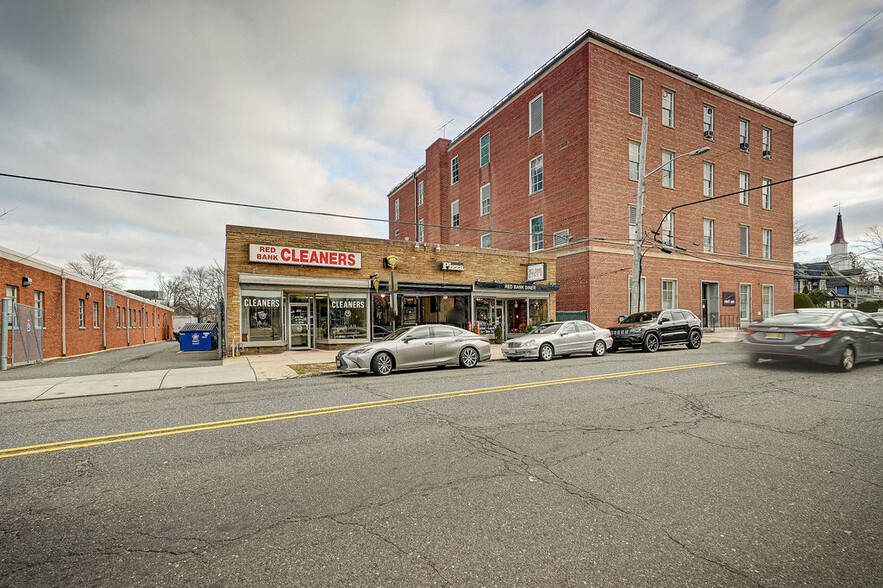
[[486, 340], [818, 333], [749, 331]]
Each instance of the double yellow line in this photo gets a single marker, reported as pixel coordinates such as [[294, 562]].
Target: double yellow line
[[296, 414]]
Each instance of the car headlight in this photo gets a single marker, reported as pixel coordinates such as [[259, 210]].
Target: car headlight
[[634, 331], [530, 343], [361, 350]]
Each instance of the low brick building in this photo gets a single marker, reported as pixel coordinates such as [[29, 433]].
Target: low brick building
[[78, 315], [297, 290]]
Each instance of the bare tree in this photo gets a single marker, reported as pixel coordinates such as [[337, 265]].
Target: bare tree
[[802, 237], [195, 291], [870, 250], [96, 266]]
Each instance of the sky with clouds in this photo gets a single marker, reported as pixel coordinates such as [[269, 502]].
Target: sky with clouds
[[326, 106]]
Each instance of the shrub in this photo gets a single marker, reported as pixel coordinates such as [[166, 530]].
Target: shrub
[[868, 306], [802, 300]]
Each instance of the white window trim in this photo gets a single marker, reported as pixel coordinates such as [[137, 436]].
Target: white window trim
[[455, 204], [397, 209], [530, 173], [455, 159], [480, 139], [420, 230], [706, 246], [541, 233], [670, 123], [674, 297], [669, 168], [637, 160], [707, 121], [481, 199], [747, 252], [744, 196], [766, 193], [766, 248], [747, 306], [420, 193], [708, 182], [772, 305], [481, 241]]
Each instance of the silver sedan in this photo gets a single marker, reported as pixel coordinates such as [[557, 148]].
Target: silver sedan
[[416, 347], [562, 338]]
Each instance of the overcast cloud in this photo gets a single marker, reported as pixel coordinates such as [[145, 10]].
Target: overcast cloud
[[328, 105]]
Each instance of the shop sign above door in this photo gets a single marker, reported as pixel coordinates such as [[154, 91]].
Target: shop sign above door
[[536, 272], [299, 256], [451, 266]]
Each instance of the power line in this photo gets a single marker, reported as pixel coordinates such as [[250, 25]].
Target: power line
[[822, 56]]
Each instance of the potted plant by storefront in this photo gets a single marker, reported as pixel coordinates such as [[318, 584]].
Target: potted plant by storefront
[[498, 334]]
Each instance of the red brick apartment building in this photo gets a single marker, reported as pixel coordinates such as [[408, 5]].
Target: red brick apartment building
[[554, 167], [79, 314]]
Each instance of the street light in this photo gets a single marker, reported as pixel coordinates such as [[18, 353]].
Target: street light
[[635, 305]]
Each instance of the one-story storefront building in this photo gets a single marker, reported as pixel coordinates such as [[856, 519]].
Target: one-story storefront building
[[299, 290]]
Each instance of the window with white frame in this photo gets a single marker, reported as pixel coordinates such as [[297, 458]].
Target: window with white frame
[[633, 223], [484, 150], [397, 209], [767, 142], [708, 179], [669, 294], [486, 241], [118, 317], [94, 315], [766, 193], [561, 237], [455, 169], [420, 233], [767, 301], [455, 213], [743, 240], [536, 233], [536, 174], [668, 108], [485, 194], [743, 134], [668, 229], [82, 313], [12, 292], [708, 121], [668, 169], [744, 181], [642, 302], [634, 159], [708, 235], [745, 302], [39, 298], [420, 193], [536, 114], [767, 243], [636, 95]]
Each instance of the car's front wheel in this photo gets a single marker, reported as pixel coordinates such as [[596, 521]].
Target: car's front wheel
[[651, 343], [468, 357], [695, 340], [381, 364], [546, 352], [847, 359], [599, 349]]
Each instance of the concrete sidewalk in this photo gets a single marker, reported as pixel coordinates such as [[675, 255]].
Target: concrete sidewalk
[[235, 370]]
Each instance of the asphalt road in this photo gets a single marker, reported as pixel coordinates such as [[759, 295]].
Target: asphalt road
[[142, 358], [686, 468]]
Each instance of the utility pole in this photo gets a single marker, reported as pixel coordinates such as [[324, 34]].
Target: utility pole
[[635, 305]]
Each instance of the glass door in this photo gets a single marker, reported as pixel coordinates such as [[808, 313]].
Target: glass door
[[301, 336]]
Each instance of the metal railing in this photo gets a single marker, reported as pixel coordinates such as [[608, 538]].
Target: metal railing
[[21, 334]]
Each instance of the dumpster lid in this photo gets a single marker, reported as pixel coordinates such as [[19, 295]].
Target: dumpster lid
[[189, 327]]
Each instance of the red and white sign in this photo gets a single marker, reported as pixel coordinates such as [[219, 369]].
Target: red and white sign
[[299, 256]]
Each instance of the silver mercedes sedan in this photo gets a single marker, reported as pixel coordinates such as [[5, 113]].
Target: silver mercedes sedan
[[562, 338], [416, 347]]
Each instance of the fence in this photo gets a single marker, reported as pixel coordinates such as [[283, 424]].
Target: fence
[[21, 335]]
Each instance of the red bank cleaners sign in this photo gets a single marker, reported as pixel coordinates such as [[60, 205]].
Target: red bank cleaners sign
[[298, 256]]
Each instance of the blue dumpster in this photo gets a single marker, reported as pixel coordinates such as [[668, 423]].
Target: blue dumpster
[[198, 336]]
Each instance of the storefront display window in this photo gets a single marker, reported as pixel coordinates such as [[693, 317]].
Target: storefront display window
[[383, 317], [348, 316], [539, 311], [484, 316], [262, 316]]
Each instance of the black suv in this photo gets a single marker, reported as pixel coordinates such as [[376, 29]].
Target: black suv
[[650, 329]]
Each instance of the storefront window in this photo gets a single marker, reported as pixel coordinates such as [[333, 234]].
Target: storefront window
[[322, 316], [384, 319], [539, 312], [348, 316], [262, 316], [484, 316]]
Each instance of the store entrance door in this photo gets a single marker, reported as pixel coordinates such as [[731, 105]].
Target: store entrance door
[[301, 336]]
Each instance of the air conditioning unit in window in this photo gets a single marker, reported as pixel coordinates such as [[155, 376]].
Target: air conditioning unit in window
[[743, 146], [767, 153], [709, 134]]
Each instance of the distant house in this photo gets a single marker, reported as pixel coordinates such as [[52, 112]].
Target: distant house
[[840, 276]]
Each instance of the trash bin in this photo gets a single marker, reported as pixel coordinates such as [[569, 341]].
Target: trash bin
[[198, 336]]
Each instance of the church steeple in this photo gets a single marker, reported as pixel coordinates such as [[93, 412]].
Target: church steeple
[[839, 258]]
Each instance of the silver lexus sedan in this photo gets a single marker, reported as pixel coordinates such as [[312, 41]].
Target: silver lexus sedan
[[562, 338], [416, 347]]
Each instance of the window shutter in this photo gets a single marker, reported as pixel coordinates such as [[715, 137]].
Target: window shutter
[[635, 92], [536, 114]]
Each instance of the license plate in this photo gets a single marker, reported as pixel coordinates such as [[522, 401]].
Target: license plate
[[775, 336]]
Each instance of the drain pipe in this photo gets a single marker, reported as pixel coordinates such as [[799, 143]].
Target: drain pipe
[[5, 311], [63, 315]]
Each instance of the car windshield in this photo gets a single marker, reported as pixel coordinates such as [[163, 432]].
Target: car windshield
[[800, 318], [548, 329], [641, 317], [396, 334]]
